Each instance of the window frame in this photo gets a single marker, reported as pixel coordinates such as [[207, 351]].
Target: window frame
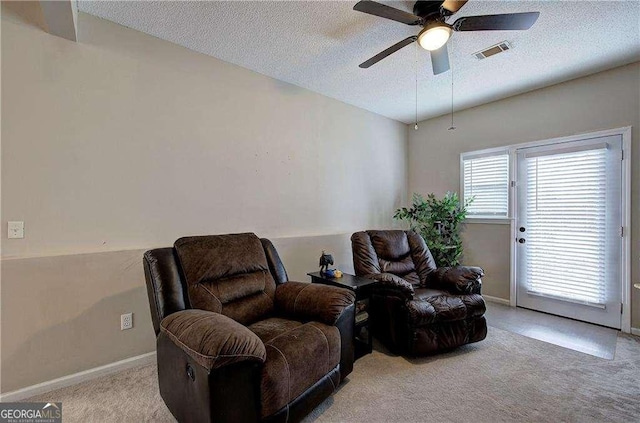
[[478, 154]]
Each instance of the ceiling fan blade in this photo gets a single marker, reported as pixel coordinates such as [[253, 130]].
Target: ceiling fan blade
[[440, 60], [453, 5], [384, 11], [510, 21], [397, 46]]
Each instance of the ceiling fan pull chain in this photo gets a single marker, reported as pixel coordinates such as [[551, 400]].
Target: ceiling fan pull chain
[[416, 60], [452, 127]]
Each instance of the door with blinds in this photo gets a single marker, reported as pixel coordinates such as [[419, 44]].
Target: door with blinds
[[568, 228]]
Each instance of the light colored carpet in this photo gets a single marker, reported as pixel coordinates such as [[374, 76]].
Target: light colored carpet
[[507, 377]]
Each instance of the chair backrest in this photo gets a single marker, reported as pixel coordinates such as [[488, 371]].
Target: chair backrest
[[402, 253], [234, 275]]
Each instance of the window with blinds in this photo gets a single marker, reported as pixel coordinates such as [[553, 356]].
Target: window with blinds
[[486, 180], [566, 225]]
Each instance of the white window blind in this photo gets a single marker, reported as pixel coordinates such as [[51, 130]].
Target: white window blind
[[566, 225], [486, 180]]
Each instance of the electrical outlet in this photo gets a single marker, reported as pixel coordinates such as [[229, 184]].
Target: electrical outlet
[[126, 321]]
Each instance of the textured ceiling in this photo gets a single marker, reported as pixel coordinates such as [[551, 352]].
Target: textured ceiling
[[319, 44]]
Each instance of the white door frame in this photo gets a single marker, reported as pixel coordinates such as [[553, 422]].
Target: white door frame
[[625, 132]]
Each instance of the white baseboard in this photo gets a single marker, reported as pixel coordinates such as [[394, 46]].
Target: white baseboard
[[635, 331], [496, 300], [79, 377]]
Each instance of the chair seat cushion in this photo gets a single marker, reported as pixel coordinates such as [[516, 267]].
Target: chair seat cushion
[[289, 369], [436, 306], [412, 278], [268, 329]]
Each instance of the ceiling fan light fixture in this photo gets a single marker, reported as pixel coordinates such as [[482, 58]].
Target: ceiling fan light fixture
[[434, 36]]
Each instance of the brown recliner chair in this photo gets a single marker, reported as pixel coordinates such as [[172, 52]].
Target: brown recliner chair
[[237, 342], [416, 308]]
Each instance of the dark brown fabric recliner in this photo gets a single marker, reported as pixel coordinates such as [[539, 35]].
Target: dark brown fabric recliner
[[237, 342], [416, 308]]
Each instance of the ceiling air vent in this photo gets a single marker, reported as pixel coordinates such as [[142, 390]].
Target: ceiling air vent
[[490, 51]]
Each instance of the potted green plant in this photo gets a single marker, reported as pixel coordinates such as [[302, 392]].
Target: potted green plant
[[439, 221]]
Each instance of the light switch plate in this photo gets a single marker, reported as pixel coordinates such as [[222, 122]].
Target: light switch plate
[[15, 229]]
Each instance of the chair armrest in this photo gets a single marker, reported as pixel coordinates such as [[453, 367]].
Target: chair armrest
[[389, 281], [457, 280], [310, 301], [212, 339]]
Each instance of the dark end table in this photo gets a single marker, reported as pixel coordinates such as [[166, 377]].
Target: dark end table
[[363, 343]]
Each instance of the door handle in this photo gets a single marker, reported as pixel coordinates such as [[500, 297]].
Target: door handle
[[522, 229], [522, 240]]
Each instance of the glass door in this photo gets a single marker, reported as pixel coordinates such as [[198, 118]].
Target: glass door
[[569, 220]]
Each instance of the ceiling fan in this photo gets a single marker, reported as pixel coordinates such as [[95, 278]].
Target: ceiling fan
[[432, 15]]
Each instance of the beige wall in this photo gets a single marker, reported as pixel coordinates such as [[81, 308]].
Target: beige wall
[[123, 142], [61, 314], [606, 100], [487, 246]]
